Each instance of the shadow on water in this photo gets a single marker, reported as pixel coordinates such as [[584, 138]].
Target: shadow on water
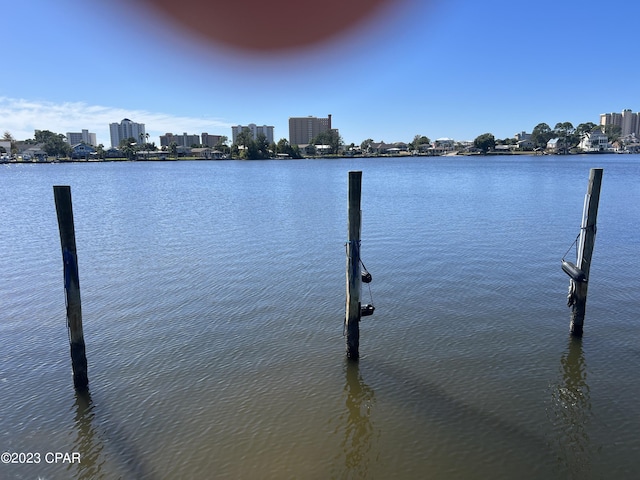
[[103, 446], [501, 446], [570, 412], [355, 428]]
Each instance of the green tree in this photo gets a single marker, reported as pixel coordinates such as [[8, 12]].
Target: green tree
[[53, 143], [173, 149], [331, 138], [284, 147], [222, 145], [7, 137], [585, 128], [541, 134], [261, 147], [128, 147], [365, 146], [485, 142], [565, 132], [245, 144], [252, 149], [613, 132], [419, 140]]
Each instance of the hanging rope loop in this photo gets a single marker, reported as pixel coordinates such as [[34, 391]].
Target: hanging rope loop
[[366, 309], [575, 242], [365, 276]]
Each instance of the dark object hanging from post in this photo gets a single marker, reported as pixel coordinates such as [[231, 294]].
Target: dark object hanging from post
[[354, 283], [366, 310], [64, 210], [577, 298], [366, 277], [574, 272]]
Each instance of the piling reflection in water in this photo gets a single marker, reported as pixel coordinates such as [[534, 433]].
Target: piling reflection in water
[[86, 442], [106, 447], [571, 413], [355, 426]]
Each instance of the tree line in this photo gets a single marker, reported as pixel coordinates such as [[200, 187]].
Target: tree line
[[568, 136]]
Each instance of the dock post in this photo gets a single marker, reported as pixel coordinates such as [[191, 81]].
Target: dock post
[[354, 279], [577, 299], [64, 210]]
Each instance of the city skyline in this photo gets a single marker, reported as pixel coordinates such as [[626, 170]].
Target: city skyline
[[455, 69], [627, 120]]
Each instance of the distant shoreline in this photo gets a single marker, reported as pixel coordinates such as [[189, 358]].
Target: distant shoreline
[[199, 159]]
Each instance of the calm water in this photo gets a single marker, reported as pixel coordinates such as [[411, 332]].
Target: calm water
[[213, 301]]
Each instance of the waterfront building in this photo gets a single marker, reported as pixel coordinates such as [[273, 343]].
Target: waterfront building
[[126, 129], [28, 152], [302, 130], [446, 144], [383, 148], [85, 136], [255, 130], [184, 140], [594, 142], [6, 146], [82, 150], [526, 144]]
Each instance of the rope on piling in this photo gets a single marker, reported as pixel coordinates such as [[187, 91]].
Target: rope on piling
[[571, 296], [70, 272]]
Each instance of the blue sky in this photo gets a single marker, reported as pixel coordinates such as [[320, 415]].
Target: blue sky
[[455, 68]]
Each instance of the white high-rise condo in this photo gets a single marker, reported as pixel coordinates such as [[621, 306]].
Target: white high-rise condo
[[126, 129]]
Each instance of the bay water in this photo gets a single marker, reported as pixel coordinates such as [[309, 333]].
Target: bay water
[[213, 298]]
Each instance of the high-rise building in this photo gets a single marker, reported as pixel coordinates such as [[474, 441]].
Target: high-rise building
[[302, 130], [210, 140], [73, 138], [184, 140], [126, 129], [628, 122], [255, 130]]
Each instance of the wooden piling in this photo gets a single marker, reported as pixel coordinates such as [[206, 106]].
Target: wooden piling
[[64, 209], [354, 279], [578, 290]]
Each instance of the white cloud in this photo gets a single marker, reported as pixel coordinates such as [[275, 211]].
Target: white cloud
[[21, 117]]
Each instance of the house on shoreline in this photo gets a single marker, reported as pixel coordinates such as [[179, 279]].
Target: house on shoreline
[[595, 141]]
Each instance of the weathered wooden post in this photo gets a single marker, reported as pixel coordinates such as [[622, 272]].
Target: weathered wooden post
[[577, 298], [62, 196], [354, 281]]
